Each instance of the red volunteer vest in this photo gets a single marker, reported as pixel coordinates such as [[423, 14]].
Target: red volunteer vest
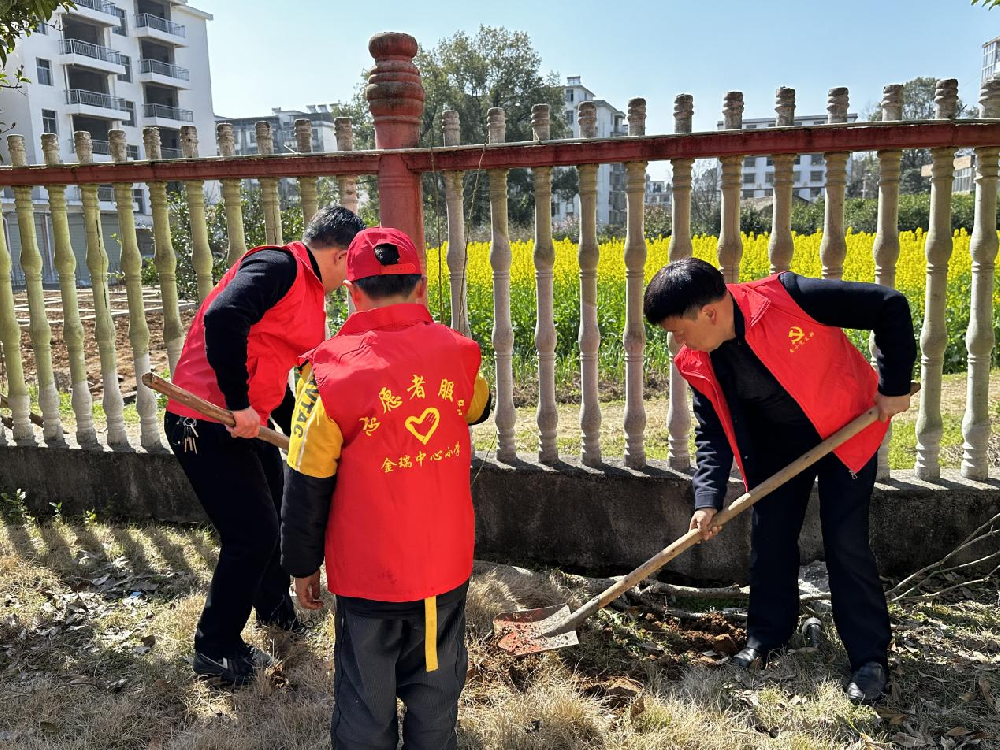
[[821, 369], [401, 524], [293, 326]]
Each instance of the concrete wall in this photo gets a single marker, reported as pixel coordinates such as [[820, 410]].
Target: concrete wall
[[602, 522]]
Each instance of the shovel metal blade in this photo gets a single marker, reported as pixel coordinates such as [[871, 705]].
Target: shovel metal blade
[[529, 631]]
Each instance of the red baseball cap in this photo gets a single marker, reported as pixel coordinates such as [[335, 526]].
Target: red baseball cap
[[361, 260]]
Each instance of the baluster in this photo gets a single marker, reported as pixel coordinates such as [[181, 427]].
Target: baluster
[[833, 246], [269, 188], [10, 338], [104, 324], [679, 411], [547, 415], [194, 190], [980, 338], [163, 256], [730, 247], [634, 338], [232, 201], [503, 331], [934, 334], [307, 185], [457, 250], [138, 330], [83, 405], [886, 247], [780, 246], [588, 255], [347, 185], [41, 334]]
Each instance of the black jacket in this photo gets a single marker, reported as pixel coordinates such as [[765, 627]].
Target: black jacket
[[771, 429]]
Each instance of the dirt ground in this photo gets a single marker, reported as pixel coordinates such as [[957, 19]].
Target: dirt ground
[[95, 650]]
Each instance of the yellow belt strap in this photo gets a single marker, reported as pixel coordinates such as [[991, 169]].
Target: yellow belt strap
[[430, 633]]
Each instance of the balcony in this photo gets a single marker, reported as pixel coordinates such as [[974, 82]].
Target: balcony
[[95, 104], [101, 148], [148, 26], [170, 153], [93, 56], [97, 11], [164, 74], [162, 115]]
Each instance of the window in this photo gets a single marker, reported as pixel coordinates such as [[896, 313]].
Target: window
[[41, 28], [750, 162], [816, 176], [796, 176], [814, 192], [132, 152], [748, 178], [122, 28], [747, 194], [49, 121], [816, 159], [569, 96], [768, 193], [569, 117], [127, 75], [749, 127], [769, 178], [130, 120], [798, 158], [44, 72], [770, 162], [138, 198]]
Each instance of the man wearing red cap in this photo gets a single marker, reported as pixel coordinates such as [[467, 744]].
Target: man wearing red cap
[[249, 332], [379, 485]]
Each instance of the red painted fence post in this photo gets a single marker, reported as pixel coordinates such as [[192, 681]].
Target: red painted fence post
[[396, 100]]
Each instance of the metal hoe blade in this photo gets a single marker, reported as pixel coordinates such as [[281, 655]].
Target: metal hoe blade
[[529, 631]]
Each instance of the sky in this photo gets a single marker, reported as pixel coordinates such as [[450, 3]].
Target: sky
[[268, 54]]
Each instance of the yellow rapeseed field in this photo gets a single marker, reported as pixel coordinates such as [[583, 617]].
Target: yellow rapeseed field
[[858, 266]]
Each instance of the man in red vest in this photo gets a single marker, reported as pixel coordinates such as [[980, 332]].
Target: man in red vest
[[773, 374], [379, 485], [248, 333]]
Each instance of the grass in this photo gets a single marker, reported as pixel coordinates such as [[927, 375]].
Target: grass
[[97, 627]]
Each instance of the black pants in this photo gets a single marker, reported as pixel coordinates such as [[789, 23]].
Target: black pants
[[239, 483], [376, 660], [859, 608]]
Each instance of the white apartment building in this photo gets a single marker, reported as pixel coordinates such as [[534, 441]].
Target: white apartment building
[[991, 59], [125, 64], [611, 123], [809, 173], [658, 192], [282, 123]]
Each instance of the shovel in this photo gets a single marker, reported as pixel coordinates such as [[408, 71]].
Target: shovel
[[209, 409], [530, 631]]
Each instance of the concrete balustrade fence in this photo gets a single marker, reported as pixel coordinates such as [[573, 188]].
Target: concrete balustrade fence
[[396, 96]]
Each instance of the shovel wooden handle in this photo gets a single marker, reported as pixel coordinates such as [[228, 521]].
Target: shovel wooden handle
[[693, 536], [209, 409]]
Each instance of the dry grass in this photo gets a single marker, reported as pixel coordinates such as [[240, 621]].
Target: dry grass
[[97, 622]]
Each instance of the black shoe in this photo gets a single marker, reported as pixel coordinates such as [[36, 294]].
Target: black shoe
[[867, 684], [295, 626], [748, 656], [237, 669]]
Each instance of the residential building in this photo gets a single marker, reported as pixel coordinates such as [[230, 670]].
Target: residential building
[[991, 59], [611, 123], [104, 65], [658, 192], [282, 122], [809, 172], [965, 174]]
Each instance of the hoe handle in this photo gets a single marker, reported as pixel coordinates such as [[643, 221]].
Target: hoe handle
[[693, 536], [209, 409]]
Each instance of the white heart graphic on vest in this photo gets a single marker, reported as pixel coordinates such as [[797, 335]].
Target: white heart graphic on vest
[[424, 426]]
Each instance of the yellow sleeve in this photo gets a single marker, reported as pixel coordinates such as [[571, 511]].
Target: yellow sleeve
[[316, 440], [480, 400]]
